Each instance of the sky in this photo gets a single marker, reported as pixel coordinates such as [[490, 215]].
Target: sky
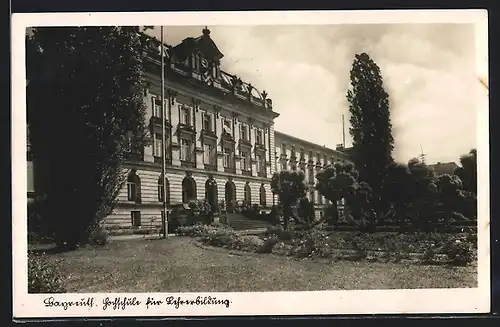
[[428, 71]]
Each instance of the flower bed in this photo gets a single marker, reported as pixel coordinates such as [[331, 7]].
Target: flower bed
[[426, 248]]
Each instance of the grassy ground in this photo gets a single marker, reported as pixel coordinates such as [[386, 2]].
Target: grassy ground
[[179, 265]]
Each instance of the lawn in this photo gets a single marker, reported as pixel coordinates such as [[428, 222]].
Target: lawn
[[180, 264]]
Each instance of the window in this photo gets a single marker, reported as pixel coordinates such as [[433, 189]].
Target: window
[[134, 187], [320, 198], [208, 157], [186, 150], [318, 157], [292, 155], [302, 155], [283, 149], [158, 145], [311, 197], [228, 127], [311, 174], [185, 116], [260, 163], [207, 122], [259, 137], [262, 195], [244, 132], [156, 107], [132, 143], [325, 160], [228, 156], [163, 188], [245, 160], [136, 218]]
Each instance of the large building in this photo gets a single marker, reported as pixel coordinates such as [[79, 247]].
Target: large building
[[220, 145]]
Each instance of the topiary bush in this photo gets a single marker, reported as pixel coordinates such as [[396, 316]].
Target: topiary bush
[[43, 275]]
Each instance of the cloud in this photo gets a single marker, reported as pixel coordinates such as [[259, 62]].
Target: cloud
[[428, 70]]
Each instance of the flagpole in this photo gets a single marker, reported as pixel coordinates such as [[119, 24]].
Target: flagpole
[[163, 137]]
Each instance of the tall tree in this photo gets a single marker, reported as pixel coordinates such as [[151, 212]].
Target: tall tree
[[370, 126], [86, 112], [290, 187], [468, 171]]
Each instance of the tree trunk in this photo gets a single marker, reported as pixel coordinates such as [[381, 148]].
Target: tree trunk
[[335, 214]]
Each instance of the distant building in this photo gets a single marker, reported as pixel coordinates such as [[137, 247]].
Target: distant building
[[293, 153], [442, 168]]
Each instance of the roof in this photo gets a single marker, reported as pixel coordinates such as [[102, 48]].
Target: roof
[[203, 44], [444, 167], [313, 145]]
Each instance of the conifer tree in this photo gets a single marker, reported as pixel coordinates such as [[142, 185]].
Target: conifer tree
[[370, 127]]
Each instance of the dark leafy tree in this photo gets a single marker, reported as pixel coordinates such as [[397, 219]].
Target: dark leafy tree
[[86, 113], [337, 182], [370, 126], [398, 189], [305, 211], [468, 171], [423, 194], [290, 187], [449, 188]]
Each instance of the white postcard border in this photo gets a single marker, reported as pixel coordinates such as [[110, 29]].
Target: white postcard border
[[476, 300]]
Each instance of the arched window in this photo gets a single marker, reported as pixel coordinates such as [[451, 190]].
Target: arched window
[[134, 187], [262, 195], [248, 194], [163, 187], [188, 189]]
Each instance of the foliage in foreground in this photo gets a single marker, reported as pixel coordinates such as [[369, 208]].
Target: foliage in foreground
[[43, 275], [90, 80]]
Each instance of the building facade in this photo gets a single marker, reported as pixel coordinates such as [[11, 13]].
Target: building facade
[[221, 145], [292, 153]]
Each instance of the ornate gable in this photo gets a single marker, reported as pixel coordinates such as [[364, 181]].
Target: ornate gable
[[203, 45]]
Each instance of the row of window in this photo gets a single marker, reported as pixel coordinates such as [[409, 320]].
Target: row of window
[[209, 154], [293, 154], [188, 190], [208, 122]]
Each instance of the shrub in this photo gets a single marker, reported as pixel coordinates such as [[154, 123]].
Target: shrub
[[196, 230], [43, 276], [460, 253], [312, 243], [99, 236], [274, 230], [429, 255], [268, 245], [250, 243]]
